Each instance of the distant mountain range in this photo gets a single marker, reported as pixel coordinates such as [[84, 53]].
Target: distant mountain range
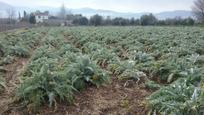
[[89, 12]]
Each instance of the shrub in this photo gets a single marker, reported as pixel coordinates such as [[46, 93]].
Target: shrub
[[55, 72], [179, 98]]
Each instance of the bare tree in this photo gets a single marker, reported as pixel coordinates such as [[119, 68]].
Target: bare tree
[[198, 10], [63, 12], [11, 13]]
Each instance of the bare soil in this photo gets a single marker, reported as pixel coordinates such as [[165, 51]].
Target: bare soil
[[11, 76], [112, 99]]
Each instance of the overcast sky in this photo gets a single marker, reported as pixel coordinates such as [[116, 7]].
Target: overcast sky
[[116, 5]]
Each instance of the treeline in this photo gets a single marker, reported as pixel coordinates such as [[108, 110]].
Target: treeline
[[97, 20], [144, 20]]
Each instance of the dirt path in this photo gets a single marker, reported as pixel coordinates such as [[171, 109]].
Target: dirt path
[[113, 99], [11, 77]]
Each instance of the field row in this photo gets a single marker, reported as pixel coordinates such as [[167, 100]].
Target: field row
[[168, 61]]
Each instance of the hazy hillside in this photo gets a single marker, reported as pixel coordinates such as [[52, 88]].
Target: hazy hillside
[[89, 12], [181, 13]]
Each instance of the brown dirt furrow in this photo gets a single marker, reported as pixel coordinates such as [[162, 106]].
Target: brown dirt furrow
[[113, 99], [11, 77]]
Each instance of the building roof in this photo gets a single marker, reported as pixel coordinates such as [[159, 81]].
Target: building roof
[[38, 13]]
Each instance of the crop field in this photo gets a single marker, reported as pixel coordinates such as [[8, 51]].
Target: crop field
[[102, 70]]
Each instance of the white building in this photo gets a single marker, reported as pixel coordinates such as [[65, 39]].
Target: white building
[[41, 16]]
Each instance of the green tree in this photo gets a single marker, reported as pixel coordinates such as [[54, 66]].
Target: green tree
[[96, 20], [132, 21], [189, 21], [108, 21], [148, 20], [81, 21], [32, 19], [120, 21]]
